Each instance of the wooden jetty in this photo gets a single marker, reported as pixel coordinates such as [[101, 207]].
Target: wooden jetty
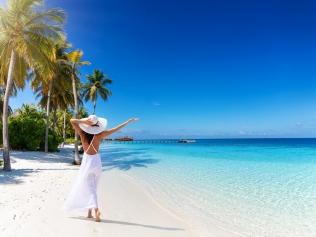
[[144, 141]]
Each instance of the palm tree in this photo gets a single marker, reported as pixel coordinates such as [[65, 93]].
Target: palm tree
[[74, 57], [25, 43], [54, 88], [96, 86]]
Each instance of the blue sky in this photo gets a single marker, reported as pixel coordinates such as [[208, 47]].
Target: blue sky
[[224, 68]]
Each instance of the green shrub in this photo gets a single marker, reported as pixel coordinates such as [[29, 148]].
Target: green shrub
[[70, 140], [26, 132], [53, 141]]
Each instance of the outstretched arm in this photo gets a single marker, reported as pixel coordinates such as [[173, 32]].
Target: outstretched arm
[[117, 128]]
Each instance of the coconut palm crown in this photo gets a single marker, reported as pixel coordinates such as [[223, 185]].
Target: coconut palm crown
[[97, 85]]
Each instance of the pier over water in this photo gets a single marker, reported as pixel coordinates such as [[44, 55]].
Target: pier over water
[[144, 141]]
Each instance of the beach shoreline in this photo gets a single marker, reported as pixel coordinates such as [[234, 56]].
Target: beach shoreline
[[32, 196]]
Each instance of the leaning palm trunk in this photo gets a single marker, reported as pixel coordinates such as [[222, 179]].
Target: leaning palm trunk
[[64, 129], [5, 132], [77, 160], [47, 114]]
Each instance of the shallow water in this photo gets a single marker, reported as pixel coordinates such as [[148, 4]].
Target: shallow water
[[247, 187]]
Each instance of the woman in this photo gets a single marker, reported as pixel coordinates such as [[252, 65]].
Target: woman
[[83, 196]]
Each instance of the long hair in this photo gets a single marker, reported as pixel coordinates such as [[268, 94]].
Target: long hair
[[88, 136]]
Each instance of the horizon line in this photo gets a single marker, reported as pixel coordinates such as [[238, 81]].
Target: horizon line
[[231, 138]]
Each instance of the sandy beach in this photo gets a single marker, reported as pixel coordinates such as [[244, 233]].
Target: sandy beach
[[32, 195]]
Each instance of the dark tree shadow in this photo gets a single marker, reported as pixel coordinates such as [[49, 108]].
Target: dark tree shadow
[[122, 164], [131, 224], [125, 159], [65, 155], [14, 176]]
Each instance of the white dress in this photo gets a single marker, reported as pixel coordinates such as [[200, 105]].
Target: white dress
[[83, 195]]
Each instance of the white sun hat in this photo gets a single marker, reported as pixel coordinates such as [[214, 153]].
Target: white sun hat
[[98, 126]]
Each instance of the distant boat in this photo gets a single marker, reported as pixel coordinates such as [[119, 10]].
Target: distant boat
[[124, 139], [186, 141]]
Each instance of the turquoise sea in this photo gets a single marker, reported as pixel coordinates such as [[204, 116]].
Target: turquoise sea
[[246, 187]]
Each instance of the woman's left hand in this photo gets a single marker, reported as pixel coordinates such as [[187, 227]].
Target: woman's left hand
[[87, 121], [133, 120]]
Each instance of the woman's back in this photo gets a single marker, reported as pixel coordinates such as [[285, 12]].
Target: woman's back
[[90, 143]]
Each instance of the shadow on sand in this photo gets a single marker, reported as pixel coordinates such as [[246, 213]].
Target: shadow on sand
[[125, 159], [65, 155], [131, 224], [15, 176]]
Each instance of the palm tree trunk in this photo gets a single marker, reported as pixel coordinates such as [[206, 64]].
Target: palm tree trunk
[[55, 118], [64, 129], [47, 114], [5, 132], [94, 105], [77, 160]]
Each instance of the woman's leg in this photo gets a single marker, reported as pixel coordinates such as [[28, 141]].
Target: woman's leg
[[90, 213], [97, 215], [93, 180]]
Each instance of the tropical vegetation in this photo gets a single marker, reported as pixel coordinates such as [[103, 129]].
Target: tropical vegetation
[[33, 47], [30, 121]]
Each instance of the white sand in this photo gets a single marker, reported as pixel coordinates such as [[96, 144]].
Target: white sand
[[32, 195]]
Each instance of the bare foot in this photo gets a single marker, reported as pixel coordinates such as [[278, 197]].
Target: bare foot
[[97, 216]]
